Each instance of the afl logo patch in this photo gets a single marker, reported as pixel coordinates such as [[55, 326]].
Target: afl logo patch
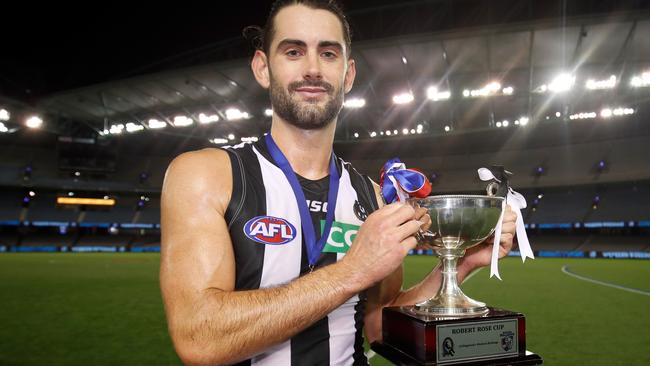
[[270, 230]]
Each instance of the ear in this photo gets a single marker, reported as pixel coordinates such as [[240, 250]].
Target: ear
[[350, 75], [260, 67]]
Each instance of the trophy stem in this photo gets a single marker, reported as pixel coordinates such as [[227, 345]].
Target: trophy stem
[[449, 284], [450, 301]]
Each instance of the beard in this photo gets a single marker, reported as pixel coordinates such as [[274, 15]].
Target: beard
[[306, 115]]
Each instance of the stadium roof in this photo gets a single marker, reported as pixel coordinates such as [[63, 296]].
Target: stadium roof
[[466, 52]]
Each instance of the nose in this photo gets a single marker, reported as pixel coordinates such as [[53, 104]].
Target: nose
[[313, 67]]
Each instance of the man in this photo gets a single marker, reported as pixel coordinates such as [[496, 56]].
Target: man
[[242, 278]]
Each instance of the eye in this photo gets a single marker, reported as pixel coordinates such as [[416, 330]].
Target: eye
[[329, 54], [293, 53]]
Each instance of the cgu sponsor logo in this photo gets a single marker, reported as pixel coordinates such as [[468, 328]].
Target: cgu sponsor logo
[[341, 237], [270, 230]]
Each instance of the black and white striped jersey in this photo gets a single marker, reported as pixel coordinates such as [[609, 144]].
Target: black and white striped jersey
[[265, 229]]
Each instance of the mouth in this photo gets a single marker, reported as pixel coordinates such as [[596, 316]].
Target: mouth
[[311, 92]]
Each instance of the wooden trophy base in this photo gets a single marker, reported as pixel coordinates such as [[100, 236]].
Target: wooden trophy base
[[496, 338]]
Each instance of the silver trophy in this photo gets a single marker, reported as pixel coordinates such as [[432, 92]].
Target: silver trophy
[[450, 327], [458, 222]]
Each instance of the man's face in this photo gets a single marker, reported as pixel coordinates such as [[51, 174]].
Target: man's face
[[308, 64]]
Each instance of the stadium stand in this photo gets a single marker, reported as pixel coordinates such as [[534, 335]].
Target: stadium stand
[[567, 242], [573, 202], [614, 243]]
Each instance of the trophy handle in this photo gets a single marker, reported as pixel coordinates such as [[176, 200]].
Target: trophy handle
[[426, 237], [492, 189]]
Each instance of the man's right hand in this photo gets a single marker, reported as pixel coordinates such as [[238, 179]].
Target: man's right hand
[[382, 242]]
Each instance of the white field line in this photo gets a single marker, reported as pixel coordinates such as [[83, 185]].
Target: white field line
[[566, 270], [472, 274]]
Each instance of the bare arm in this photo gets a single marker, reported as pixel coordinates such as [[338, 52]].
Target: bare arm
[[209, 322]]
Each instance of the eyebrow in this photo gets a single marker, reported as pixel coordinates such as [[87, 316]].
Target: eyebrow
[[299, 43], [333, 44]]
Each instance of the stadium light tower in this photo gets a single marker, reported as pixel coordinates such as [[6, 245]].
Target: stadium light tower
[[133, 127], [182, 121], [354, 103], [403, 98], [4, 115], [640, 81], [156, 124], [116, 129], [435, 95], [34, 122], [219, 141], [610, 83], [205, 119], [561, 83], [234, 114]]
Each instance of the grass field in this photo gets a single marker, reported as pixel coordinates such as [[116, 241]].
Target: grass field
[[105, 309]]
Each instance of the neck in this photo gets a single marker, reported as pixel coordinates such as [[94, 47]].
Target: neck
[[308, 151]]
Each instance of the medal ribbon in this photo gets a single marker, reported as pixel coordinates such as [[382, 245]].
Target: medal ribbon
[[314, 248]]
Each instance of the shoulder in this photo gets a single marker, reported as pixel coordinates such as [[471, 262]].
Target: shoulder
[[355, 175], [207, 155], [202, 164], [202, 174]]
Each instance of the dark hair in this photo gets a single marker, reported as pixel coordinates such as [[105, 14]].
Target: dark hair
[[261, 38]]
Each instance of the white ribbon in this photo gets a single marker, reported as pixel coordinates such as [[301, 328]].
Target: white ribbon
[[517, 202], [485, 174]]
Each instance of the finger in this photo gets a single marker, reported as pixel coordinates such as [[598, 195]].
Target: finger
[[506, 242], [426, 222], [399, 216], [408, 244], [387, 209], [508, 228], [419, 213], [390, 210], [408, 229], [510, 217]]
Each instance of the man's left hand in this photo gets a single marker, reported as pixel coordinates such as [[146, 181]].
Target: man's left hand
[[481, 255]]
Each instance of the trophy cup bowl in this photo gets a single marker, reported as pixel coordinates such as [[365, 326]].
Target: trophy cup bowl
[[458, 222]]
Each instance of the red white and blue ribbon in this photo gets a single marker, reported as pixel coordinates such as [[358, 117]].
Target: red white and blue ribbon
[[517, 202], [399, 183]]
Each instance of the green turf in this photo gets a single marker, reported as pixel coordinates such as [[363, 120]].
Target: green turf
[[105, 309], [82, 309]]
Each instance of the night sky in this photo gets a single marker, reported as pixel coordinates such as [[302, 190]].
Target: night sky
[[49, 48]]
